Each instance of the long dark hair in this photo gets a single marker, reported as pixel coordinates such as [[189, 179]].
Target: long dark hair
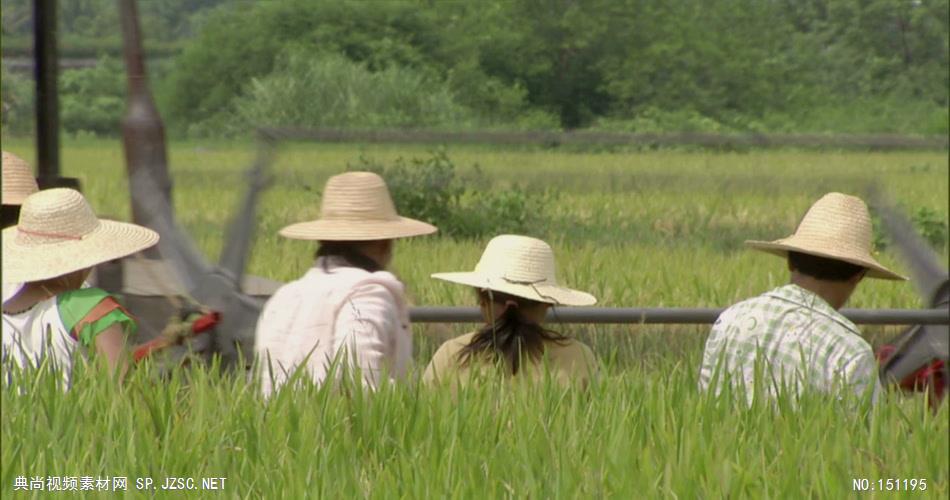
[[512, 337], [348, 251]]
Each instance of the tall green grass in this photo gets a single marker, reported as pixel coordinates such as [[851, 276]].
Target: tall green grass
[[629, 436]]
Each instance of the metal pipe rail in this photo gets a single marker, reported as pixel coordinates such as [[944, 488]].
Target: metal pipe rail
[[587, 137], [685, 315]]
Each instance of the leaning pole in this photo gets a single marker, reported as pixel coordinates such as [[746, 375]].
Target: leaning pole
[[143, 134]]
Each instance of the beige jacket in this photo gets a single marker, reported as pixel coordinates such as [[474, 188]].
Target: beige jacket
[[569, 362], [344, 318]]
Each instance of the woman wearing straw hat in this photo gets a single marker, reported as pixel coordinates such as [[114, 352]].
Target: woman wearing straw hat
[[18, 183], [793, 337], [56, 244], [346, 308], [516, 285]]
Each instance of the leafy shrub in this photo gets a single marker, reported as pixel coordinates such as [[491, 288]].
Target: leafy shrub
[[332, 91], [470, 206], [17, 102], [931, 226], [927, 222], [92, 100], [503, 211], [234, 47]]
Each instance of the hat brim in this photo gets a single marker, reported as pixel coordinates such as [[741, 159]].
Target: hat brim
[[111, 240], [357, 230], [548, 294], [10, 290], [782, 247]]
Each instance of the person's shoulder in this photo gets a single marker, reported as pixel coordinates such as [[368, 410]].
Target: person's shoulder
[[353, 282], [456, 343], [452, 346], [570, 350], [284, 293], [380, 280], [350, 273], [90, 293], [74, 304], [568, 345], [90, 311], [846, 335], [741, 308], [752, 302], [445, 359]]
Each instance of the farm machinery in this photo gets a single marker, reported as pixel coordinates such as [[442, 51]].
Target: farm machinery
[[917, 359]]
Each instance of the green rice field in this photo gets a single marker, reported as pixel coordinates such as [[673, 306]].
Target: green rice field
[[636, 229]]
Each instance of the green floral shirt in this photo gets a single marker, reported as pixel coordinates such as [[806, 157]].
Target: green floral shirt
[[792, 339]]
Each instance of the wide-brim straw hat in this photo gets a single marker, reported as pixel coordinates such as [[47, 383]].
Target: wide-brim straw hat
[[837, 226], [18, 180], [519, 266], [357, 207], [58, 233]]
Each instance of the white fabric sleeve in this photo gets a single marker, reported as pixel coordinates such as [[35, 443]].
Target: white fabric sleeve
[[366, 327]]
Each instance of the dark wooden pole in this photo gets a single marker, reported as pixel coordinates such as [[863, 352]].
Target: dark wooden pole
[[143, 134], [47, 102]]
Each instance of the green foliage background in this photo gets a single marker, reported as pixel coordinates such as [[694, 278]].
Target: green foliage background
[[640, 65]]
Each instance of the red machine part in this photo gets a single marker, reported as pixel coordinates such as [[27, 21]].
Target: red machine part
[[202, 324], [929, 378]]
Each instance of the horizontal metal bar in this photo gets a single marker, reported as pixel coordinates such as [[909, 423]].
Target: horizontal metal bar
[[583, 137], [674, 315]]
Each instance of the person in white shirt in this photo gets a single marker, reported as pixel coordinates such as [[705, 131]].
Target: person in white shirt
[[346, 312]]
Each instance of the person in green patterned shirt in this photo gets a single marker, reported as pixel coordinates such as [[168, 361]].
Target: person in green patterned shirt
[[52, 250], [793, 339]]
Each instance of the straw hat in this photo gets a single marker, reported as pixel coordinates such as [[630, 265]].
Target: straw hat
[[18, 180], [58, 233], [837, 227], [357, 207], [519, 266]]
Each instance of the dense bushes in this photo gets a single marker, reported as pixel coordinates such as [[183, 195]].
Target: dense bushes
[[16, 92], [430, 190], [638, 65], [91, 100], [395, 36], [332, 91], [731, 65]]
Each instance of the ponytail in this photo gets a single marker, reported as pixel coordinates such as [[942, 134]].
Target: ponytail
[[511, 337]]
